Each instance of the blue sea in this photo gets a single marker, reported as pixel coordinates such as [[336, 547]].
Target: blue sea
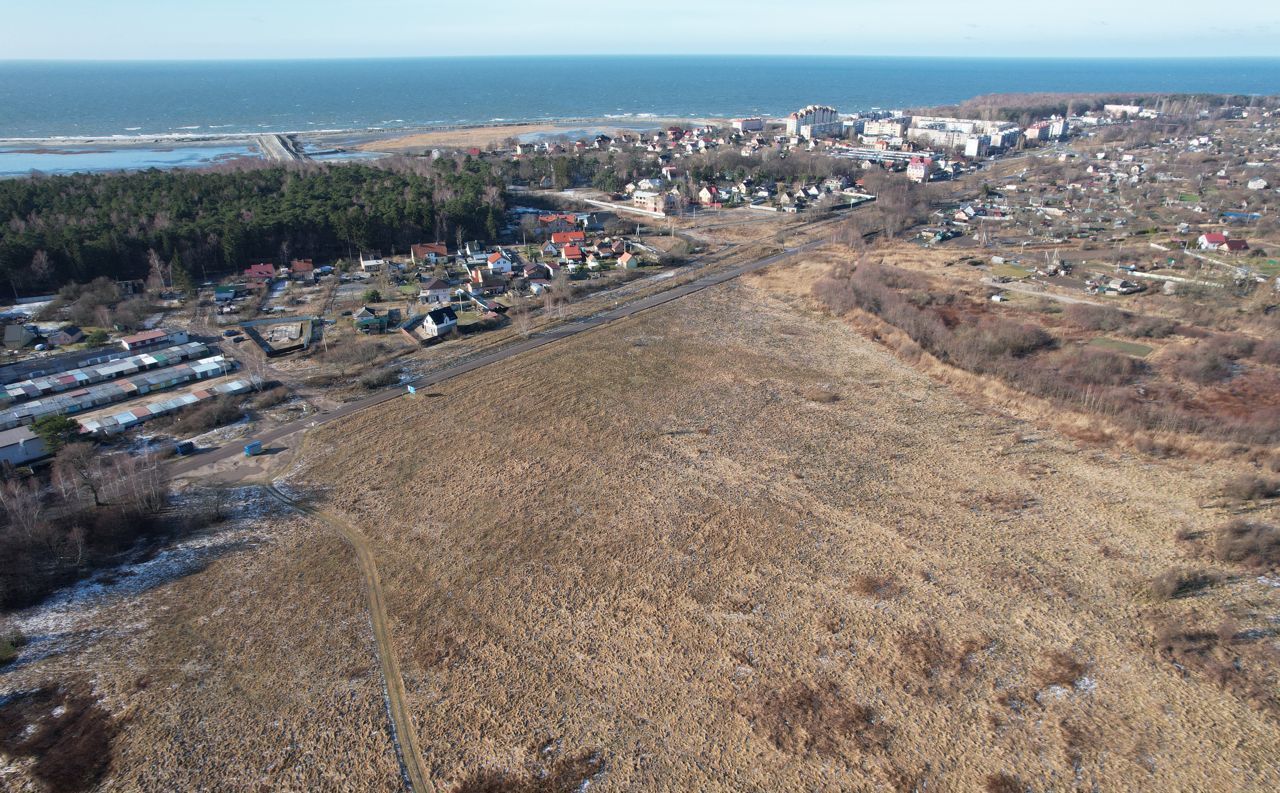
[[150, 99]]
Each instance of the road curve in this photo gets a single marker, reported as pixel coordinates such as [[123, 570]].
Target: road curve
[[404, 734]]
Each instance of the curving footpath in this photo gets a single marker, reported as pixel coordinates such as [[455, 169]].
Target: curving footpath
[[403, 733]]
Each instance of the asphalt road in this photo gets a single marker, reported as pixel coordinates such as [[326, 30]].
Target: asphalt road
[[185, 465]]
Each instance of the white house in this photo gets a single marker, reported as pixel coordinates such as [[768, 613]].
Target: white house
[[499, 262], [1258, 184], [440, 322], [1212, 242], [373, 262], [434, 291]]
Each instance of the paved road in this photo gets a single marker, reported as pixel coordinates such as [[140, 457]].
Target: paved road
[[187, 464], [404, 734]]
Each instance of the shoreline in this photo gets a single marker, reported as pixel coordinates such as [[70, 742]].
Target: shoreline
[[361, 136]]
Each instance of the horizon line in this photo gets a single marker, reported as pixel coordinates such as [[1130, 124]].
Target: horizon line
[[817, 56]]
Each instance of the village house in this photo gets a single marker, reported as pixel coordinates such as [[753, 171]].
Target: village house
[[550, 224], [920, 169], [434, 291], [571, 255], [1235, 246], [1211, 242], [260, 274], [368, 320], [428, 253], [302, 270], [68, 334], [568, 238], [435, 324], [499, 262], [627, 261], [486, 282]]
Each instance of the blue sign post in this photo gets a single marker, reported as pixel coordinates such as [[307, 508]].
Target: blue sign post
[[412, 390]]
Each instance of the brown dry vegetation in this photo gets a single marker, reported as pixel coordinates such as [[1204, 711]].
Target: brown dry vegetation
[[662, 550], [1198, 387], [255, 673]]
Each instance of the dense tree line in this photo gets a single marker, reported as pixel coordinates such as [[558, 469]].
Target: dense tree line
[[57, 229]]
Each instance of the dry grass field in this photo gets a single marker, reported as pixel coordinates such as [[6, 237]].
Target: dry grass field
[[252, 671], [731, 544]]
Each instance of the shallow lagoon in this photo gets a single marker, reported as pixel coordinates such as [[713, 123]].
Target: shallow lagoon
[[20, 161]]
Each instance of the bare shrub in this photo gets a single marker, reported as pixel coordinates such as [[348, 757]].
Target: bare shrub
[[1230, 345], [886, 587], [1267, 351], [65, 731], [1061, 669], [1088, 366], [1089, 317], [1250, 488], [1199, 364], [1250, 544], [1174, 584], [380, 378], [820, 719], [211, 414], [1109, 319], [1223, 657], [271, 397], [562, 775], [1005, 783]]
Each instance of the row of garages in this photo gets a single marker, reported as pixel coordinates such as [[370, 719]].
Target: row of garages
[[38, 387], [96, 396], [119, 422]]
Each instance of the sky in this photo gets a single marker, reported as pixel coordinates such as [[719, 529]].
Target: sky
[[240, 29]]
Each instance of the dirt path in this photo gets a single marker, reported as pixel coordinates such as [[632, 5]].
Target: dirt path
[[1029, 290], [404, 733]]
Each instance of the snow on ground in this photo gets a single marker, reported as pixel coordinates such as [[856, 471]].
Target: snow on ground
[[73, 618]]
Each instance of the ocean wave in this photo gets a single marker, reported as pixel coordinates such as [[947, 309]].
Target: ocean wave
[[197, 126], [132, 129]]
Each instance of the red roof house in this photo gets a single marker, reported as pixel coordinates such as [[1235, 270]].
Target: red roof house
[[428, 252], [568, 237], [260, 273]]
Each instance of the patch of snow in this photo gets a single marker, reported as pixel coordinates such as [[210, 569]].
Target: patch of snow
[[1052, 693], [69, 618], [1269, 581], [1086, 685]]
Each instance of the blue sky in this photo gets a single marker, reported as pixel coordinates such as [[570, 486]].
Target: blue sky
[[195, 29]]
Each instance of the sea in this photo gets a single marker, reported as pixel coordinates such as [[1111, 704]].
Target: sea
[[158, 100]]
